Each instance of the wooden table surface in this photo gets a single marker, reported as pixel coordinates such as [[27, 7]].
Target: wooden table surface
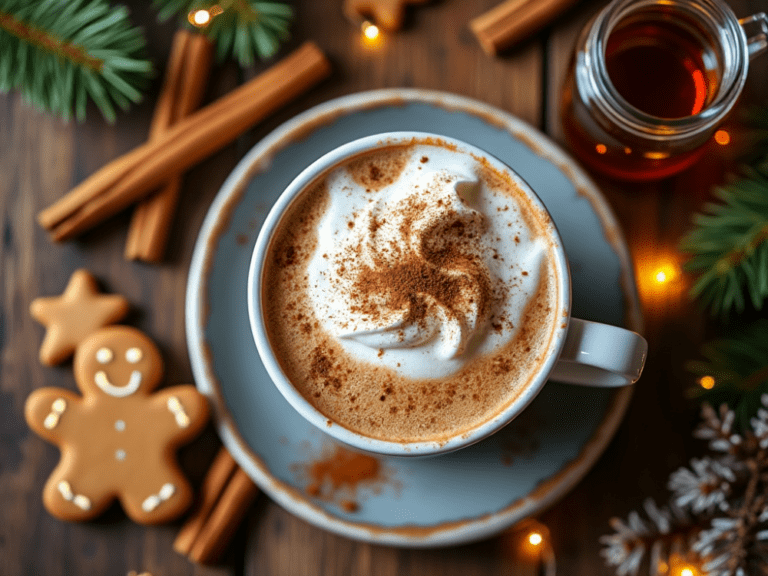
[[41, 158]]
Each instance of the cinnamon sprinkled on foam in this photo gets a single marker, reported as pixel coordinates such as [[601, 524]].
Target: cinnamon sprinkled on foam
[[447, 273]]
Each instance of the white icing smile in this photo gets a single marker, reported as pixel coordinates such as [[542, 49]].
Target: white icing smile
[[102, 381]]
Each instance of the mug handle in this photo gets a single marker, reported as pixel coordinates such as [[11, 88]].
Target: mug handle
[[602, 355]]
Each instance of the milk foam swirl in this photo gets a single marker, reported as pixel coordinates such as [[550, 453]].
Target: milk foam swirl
[[427, 272], [420, 274]]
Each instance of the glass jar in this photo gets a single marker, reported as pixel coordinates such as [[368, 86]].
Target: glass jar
[[651, 81]]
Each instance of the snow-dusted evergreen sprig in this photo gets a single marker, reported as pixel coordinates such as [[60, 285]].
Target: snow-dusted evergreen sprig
[[717, 518], [668, 531], [718, 429], [704, 487], [760, 423]]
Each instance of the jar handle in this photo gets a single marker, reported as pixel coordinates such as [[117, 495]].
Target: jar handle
[[756, 29]]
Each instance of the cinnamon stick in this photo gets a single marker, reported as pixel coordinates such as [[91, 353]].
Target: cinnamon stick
[[186, 143], [221, 471], [182, 92], [513, 21], [225, 517], [90, 188], [165, 109], [226, 494]]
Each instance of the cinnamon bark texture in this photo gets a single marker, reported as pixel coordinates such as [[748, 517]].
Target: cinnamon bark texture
[[226, 494], [513, 21], [183, 90]]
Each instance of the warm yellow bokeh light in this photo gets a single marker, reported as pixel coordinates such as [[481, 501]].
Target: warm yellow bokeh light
[[535, 538], [660, 278], [371, 31], [722, 137], [707, 382], [201, 17], [601, 148], [685, 570], [665, 273]]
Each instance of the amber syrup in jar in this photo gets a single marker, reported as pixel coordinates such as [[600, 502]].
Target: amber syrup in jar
[[660, 63]]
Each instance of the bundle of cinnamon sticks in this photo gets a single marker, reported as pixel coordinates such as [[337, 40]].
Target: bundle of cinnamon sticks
[[177, 142], [225, 496]]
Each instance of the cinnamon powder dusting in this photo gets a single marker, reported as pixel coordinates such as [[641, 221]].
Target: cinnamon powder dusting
[[441, 271], [382, 168], [406, 284], [338, 475]]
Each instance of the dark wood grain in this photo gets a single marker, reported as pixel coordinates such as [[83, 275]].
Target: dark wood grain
[[40, 158]]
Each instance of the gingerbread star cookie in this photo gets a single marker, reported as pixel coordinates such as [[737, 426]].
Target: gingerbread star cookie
[[71, 317], [389, 14], [118, 439]]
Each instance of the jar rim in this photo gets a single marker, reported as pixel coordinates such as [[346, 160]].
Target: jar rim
[[725, 28]]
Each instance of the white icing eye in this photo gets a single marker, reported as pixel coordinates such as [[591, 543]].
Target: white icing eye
[[133, 355], [104, 355]]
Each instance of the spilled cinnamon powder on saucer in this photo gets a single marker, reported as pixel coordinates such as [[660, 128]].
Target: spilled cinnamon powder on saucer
[[338, 474]]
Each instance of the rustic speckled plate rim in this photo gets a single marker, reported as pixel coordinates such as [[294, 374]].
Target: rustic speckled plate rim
[[216, 224]]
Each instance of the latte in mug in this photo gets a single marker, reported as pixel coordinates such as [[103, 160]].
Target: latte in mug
[[410, 293]]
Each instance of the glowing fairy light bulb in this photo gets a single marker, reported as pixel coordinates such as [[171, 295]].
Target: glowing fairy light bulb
[[370, 31], [200, 17], [665, 273], [722, 137], [707, 382], [535, 538]]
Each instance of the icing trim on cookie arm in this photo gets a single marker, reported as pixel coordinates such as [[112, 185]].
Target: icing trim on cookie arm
[[154, 500], [102, 381], [79, 500], [163, 494], [186, 412], [177, 409], [58, 407], [69, 496], [50, 412]]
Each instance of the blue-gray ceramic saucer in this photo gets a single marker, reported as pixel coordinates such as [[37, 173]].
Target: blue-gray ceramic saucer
[[445, 500]]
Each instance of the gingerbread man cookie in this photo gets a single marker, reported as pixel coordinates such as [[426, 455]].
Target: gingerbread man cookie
[[389, 14], [118, 440]]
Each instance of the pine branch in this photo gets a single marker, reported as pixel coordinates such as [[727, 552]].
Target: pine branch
[[739, 366], [60, 53], [728, 247], [239, 27]]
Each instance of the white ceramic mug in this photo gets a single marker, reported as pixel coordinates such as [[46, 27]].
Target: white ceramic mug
[[581, 352]]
